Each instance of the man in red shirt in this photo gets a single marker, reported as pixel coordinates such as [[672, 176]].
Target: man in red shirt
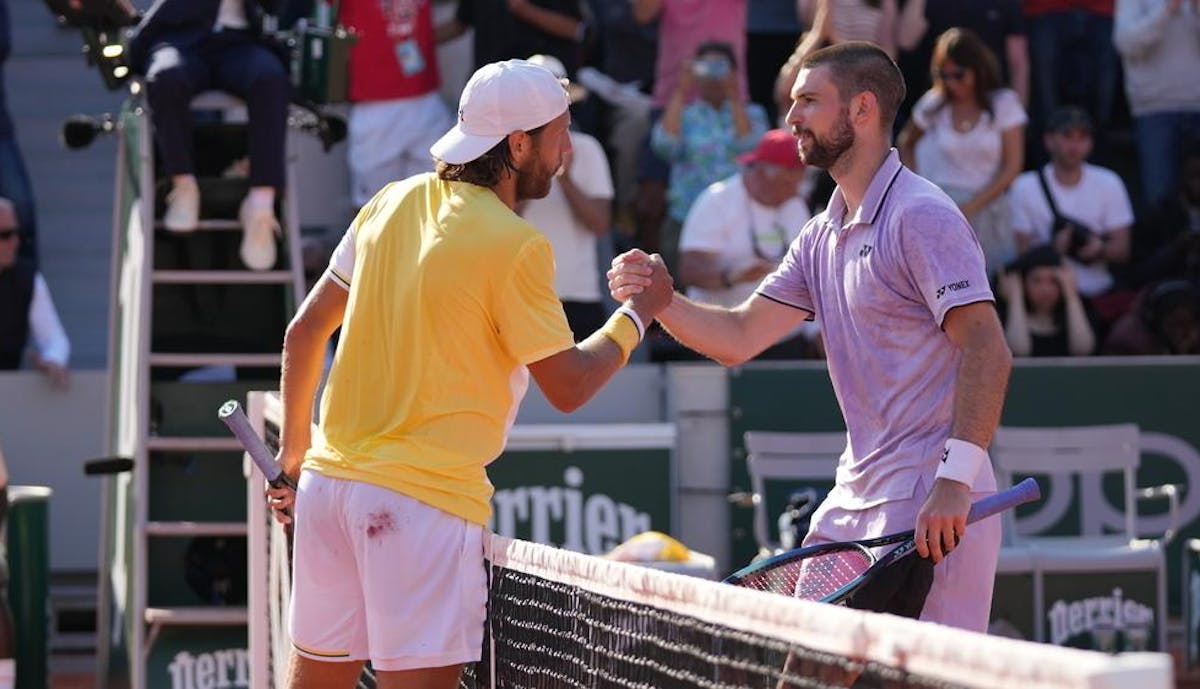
[[393, 79]]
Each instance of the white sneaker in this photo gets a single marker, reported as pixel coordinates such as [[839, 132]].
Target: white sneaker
[[259, 228], [183, 208]]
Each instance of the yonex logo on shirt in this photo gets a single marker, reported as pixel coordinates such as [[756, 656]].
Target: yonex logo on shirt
[[953, 287], [865, 251], [945, 452]]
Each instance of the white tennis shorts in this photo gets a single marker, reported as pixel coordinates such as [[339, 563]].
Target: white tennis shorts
[[380, 576]]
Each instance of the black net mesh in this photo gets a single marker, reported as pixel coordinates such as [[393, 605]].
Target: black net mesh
[[561, 620], [551, 635]]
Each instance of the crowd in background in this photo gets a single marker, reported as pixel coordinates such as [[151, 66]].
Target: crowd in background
[[1067, 131]]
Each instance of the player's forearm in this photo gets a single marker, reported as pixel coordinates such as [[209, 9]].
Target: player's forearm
[[979, 391], [300, 374], [599, 360], [716, 332]]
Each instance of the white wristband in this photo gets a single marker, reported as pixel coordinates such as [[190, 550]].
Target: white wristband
[[961, 461], [637, 320]]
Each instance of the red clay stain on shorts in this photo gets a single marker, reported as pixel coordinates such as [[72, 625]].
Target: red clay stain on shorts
[[380, 523]]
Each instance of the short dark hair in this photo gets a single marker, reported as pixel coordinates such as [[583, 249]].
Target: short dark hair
[[721, 47], [487, 169], [858, 66]]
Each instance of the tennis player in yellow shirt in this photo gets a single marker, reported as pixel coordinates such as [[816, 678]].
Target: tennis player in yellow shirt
[[446, 302]]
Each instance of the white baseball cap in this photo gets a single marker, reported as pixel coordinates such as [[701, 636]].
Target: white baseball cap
[[500, 98], [574, 91]]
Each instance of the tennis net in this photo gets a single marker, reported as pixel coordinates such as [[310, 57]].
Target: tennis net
[[559, 620]]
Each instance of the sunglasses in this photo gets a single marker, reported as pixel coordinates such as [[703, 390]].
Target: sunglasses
[[7, 234], [951, 74]]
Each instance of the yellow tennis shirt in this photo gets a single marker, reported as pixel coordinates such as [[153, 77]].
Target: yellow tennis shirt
[[451, 296]]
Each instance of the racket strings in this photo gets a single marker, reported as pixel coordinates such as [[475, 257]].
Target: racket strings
[[814, 577]]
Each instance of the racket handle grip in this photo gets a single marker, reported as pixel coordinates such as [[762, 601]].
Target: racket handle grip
[[233, 416], [1023, 492]]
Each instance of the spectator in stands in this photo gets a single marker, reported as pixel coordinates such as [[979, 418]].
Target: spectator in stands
[[1167, 241], [623, 83], [739, 229], [682, 26], [1073, 57], [8, 665], [837, 21], [967, 135], [1081, 209], [702, 137], [1042, 312], [393, 78], [26, 309], [998, 23], [513, 29], [184, 47], [1159, 41], [14, 180], [573, 216], [1166, 320]]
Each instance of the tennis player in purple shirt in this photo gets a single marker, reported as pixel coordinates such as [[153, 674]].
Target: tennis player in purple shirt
[[895, 276]]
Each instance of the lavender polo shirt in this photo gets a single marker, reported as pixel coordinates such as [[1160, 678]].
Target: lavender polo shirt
[[880, 284]]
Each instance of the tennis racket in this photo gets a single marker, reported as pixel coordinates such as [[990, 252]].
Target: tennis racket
[[233, 416], [833, 572]]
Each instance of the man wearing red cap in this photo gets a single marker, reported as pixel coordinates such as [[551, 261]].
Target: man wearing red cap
[[740, 227]]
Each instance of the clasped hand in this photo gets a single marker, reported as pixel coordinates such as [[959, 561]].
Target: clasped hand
[[643, 280]]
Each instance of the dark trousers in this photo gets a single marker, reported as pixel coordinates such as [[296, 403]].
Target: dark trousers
[[1076, 62], [765, 54], [229, 61], [15, 186]]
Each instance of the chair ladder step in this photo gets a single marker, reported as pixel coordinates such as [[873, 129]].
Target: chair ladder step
[[221, 277], [192, 444], [197, 616], [210, 224], [196, 528], [197, 360]]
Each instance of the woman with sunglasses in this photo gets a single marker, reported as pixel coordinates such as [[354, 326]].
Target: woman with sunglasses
[[967, 135]]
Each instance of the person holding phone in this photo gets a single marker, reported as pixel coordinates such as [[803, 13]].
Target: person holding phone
[[702, 138]]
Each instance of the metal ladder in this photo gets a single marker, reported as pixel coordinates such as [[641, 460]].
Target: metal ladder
[[140, 360]]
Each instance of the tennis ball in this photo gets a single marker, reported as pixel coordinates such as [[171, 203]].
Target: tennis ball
[[651, 546]]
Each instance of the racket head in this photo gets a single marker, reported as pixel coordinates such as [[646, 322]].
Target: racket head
[[814, 573]]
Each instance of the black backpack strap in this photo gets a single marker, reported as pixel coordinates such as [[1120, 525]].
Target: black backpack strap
[[1049, 197]]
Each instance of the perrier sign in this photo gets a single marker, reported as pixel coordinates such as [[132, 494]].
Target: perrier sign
[[584, 487]]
